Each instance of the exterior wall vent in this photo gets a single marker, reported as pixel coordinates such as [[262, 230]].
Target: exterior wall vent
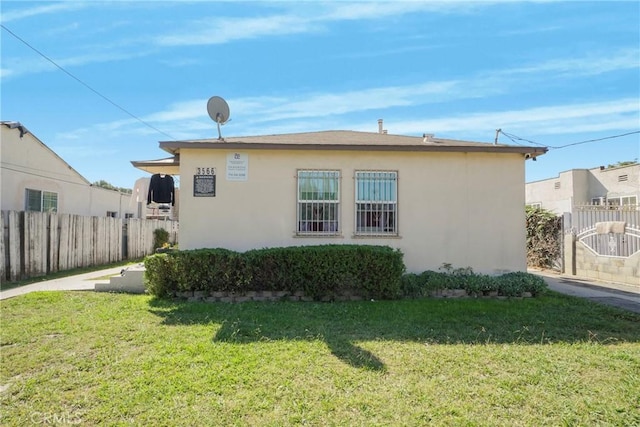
[[556, 185], [623, 178]]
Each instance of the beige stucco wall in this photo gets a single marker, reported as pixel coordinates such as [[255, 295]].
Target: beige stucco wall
[[557, 200], [460, 208], [27, 163], [579, 186], [608, 178]]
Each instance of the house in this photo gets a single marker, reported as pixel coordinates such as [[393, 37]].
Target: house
[[34, 178], [601, 186], [601, 216], [437, 200]]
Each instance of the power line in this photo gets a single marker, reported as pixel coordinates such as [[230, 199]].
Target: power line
[[85, 84], [596, 140], [515, 138]]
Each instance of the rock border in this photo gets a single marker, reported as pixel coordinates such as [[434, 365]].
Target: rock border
[[272, 296]]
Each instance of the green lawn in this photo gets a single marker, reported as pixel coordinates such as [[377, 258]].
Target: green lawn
[[109, 359]]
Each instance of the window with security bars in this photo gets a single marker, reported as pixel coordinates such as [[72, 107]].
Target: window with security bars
[[41, 201], [318, 202], [376, 203]]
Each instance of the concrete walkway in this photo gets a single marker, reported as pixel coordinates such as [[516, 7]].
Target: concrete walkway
[[80, 282], [614, 294]]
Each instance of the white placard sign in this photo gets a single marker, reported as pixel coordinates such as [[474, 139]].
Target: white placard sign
[[237, 167]]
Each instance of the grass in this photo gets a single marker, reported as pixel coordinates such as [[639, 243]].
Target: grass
[[94, 359]]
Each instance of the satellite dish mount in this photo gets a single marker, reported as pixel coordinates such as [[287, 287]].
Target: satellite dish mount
[[218, 110]]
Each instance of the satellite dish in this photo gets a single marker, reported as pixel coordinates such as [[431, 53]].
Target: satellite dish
[[218, 110]]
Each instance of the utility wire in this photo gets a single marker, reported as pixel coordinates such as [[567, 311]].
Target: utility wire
[[85, 84], [598, 139], [516, 138]]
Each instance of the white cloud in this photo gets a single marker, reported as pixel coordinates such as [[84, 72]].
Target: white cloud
[[24, 66], [622, 114], [224, 30], [14, 15], [307, 20], [592, 64]]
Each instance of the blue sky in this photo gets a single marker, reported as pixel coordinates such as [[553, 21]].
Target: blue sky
[[554, 73]]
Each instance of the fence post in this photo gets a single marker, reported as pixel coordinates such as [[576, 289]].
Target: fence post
[[3, 257], [570, 254]]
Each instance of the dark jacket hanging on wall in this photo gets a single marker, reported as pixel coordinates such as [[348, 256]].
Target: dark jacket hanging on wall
[[161, 189]]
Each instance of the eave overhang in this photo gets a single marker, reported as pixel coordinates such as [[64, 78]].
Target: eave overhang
[[170, 165], [174, 147]]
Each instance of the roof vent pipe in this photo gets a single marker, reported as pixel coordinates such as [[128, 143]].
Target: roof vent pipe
[[427, 137]]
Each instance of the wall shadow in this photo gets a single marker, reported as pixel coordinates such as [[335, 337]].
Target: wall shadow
[[543, 320]]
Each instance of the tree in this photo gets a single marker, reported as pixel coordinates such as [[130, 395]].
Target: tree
[[623, 163], [104, 184], [543, 237]]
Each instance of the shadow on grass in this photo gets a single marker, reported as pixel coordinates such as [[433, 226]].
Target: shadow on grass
[[548, 319]]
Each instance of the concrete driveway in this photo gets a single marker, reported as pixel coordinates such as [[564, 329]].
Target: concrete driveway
[[614, 294]]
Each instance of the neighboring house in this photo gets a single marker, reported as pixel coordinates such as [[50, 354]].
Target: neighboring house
[[34, 178], [616, 186], [437, 200], [601, 216]]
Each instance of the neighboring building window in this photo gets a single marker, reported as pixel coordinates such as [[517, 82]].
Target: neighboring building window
[[628, 201], [41, 201], [318, 202], [536, 205], [376, 203], [623, 178], [128, 215], [556, 185], [112, 214], [623, 201], [598, 201]]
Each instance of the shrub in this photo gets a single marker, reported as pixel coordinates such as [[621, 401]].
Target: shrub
[[159, 276], [543, 237], [320, 272], [521, 282], [510, 284], [209, 270], [160, 238]]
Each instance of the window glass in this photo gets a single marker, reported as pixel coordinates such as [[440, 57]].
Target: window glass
[[376, 203], [49, 201], [41, 201], [33, 200], [318, 202]]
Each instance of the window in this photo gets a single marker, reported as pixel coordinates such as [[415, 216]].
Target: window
[[536, 205], [112, 214], [41, 201], [376, 203], [628, 200], [318, 202], [128, 215], [556, 185], [623, 178]]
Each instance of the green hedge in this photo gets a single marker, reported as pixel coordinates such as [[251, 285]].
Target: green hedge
[[510, 284], [319, 271]]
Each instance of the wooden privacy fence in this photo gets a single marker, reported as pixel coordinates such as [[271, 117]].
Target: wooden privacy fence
[[37, 243]]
